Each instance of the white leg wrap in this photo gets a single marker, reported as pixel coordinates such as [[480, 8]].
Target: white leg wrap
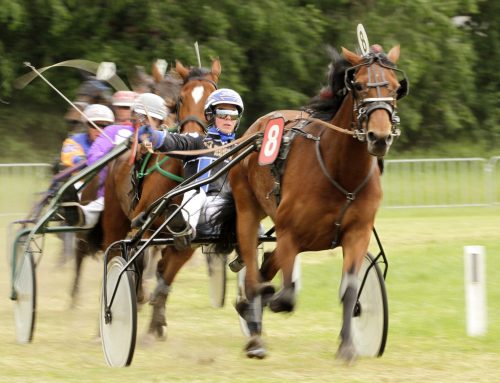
[[348, 280]]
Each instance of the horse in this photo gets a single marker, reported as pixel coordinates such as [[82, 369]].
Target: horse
[[120, 206], [333, 152]]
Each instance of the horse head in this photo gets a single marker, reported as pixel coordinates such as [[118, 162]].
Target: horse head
[[373, 82], [198, 83], [184, 90], [91, 91]]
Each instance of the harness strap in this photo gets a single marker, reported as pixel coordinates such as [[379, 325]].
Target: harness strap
[[331, 126], [157, 166], [242, 138], [350, 196]]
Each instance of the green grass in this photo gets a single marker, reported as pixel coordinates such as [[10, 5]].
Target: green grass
[[427, 336]]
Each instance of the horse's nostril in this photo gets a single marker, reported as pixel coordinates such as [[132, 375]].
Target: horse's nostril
[[388, 140], [371, 136]]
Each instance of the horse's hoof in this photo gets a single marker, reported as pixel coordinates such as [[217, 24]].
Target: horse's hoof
[[161, 333], [283, 301], [255, 348], [347, 353]]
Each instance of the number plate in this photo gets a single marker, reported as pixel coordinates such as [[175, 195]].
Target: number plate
[[272, 141]]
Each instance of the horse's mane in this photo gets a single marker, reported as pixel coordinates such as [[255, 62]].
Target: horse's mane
[[327, 102], [195, 72]]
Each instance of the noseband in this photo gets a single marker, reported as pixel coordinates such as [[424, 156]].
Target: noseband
[[365, 106], [192, 118]]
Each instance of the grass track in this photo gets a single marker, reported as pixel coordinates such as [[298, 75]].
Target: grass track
[[427, 340]]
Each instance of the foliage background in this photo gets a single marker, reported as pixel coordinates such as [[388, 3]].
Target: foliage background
[[272, 51]]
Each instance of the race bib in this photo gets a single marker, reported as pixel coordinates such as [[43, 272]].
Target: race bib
[[272, 141]]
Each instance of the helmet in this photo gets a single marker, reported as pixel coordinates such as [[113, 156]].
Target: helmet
[[123, 98], [98, 112], [223, 96], [153, 104]]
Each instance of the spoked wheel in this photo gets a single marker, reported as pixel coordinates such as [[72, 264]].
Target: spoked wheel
[[118, 322], [24, 290], [217, 278], [371, 314]]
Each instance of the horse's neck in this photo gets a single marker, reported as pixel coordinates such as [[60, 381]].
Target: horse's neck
[[346, 157]]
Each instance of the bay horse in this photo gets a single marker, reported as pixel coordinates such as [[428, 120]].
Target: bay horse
[[120, 207], [329, 187]]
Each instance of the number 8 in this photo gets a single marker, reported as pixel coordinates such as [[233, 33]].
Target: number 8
[[271, 142]]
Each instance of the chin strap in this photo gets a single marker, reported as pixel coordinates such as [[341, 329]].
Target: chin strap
[[223, 136]]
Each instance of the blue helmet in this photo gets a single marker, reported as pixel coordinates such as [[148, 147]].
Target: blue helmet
[[223, 96]]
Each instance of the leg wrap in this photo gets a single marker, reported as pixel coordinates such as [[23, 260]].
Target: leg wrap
[[253, 316], [348, 280], [161, 288]]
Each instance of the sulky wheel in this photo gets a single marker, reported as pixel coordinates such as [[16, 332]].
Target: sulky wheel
[[118, 321], [24, 290], [371, 316]]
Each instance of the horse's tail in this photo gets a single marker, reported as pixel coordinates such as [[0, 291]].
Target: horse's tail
[[225, 222], [95, 237]]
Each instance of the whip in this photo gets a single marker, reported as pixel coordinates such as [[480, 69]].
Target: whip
[[68, 101]]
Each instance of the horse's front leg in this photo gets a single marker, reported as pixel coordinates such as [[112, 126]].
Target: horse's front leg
[[285, 253], [354, 247], [168, 267]]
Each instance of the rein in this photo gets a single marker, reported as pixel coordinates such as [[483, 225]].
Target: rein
[[241, 139], [157, 167]]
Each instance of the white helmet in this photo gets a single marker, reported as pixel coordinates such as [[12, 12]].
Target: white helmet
[[123, 98], [154, 104], [98, 112], [223, 96]]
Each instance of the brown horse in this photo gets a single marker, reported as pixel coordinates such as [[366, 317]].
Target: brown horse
[[120, 206], [327, 191]]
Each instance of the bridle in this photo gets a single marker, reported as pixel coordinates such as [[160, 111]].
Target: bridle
[[365, 106], [192, 118]]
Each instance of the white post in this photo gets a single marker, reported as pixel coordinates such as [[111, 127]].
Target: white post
[[475, 290]]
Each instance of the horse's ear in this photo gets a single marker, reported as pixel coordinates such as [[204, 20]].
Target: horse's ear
[[352, 57], [141, 81], [216, 69], [157, 75], [393, 54], [181, 69]]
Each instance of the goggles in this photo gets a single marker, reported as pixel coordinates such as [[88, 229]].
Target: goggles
[[223, 113], [100, 125], [139, 117]]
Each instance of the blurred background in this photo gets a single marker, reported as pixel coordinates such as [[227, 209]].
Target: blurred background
[[273, 52], [441, 183]]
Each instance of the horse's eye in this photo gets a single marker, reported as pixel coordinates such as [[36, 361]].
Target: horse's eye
[[357, 86]]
